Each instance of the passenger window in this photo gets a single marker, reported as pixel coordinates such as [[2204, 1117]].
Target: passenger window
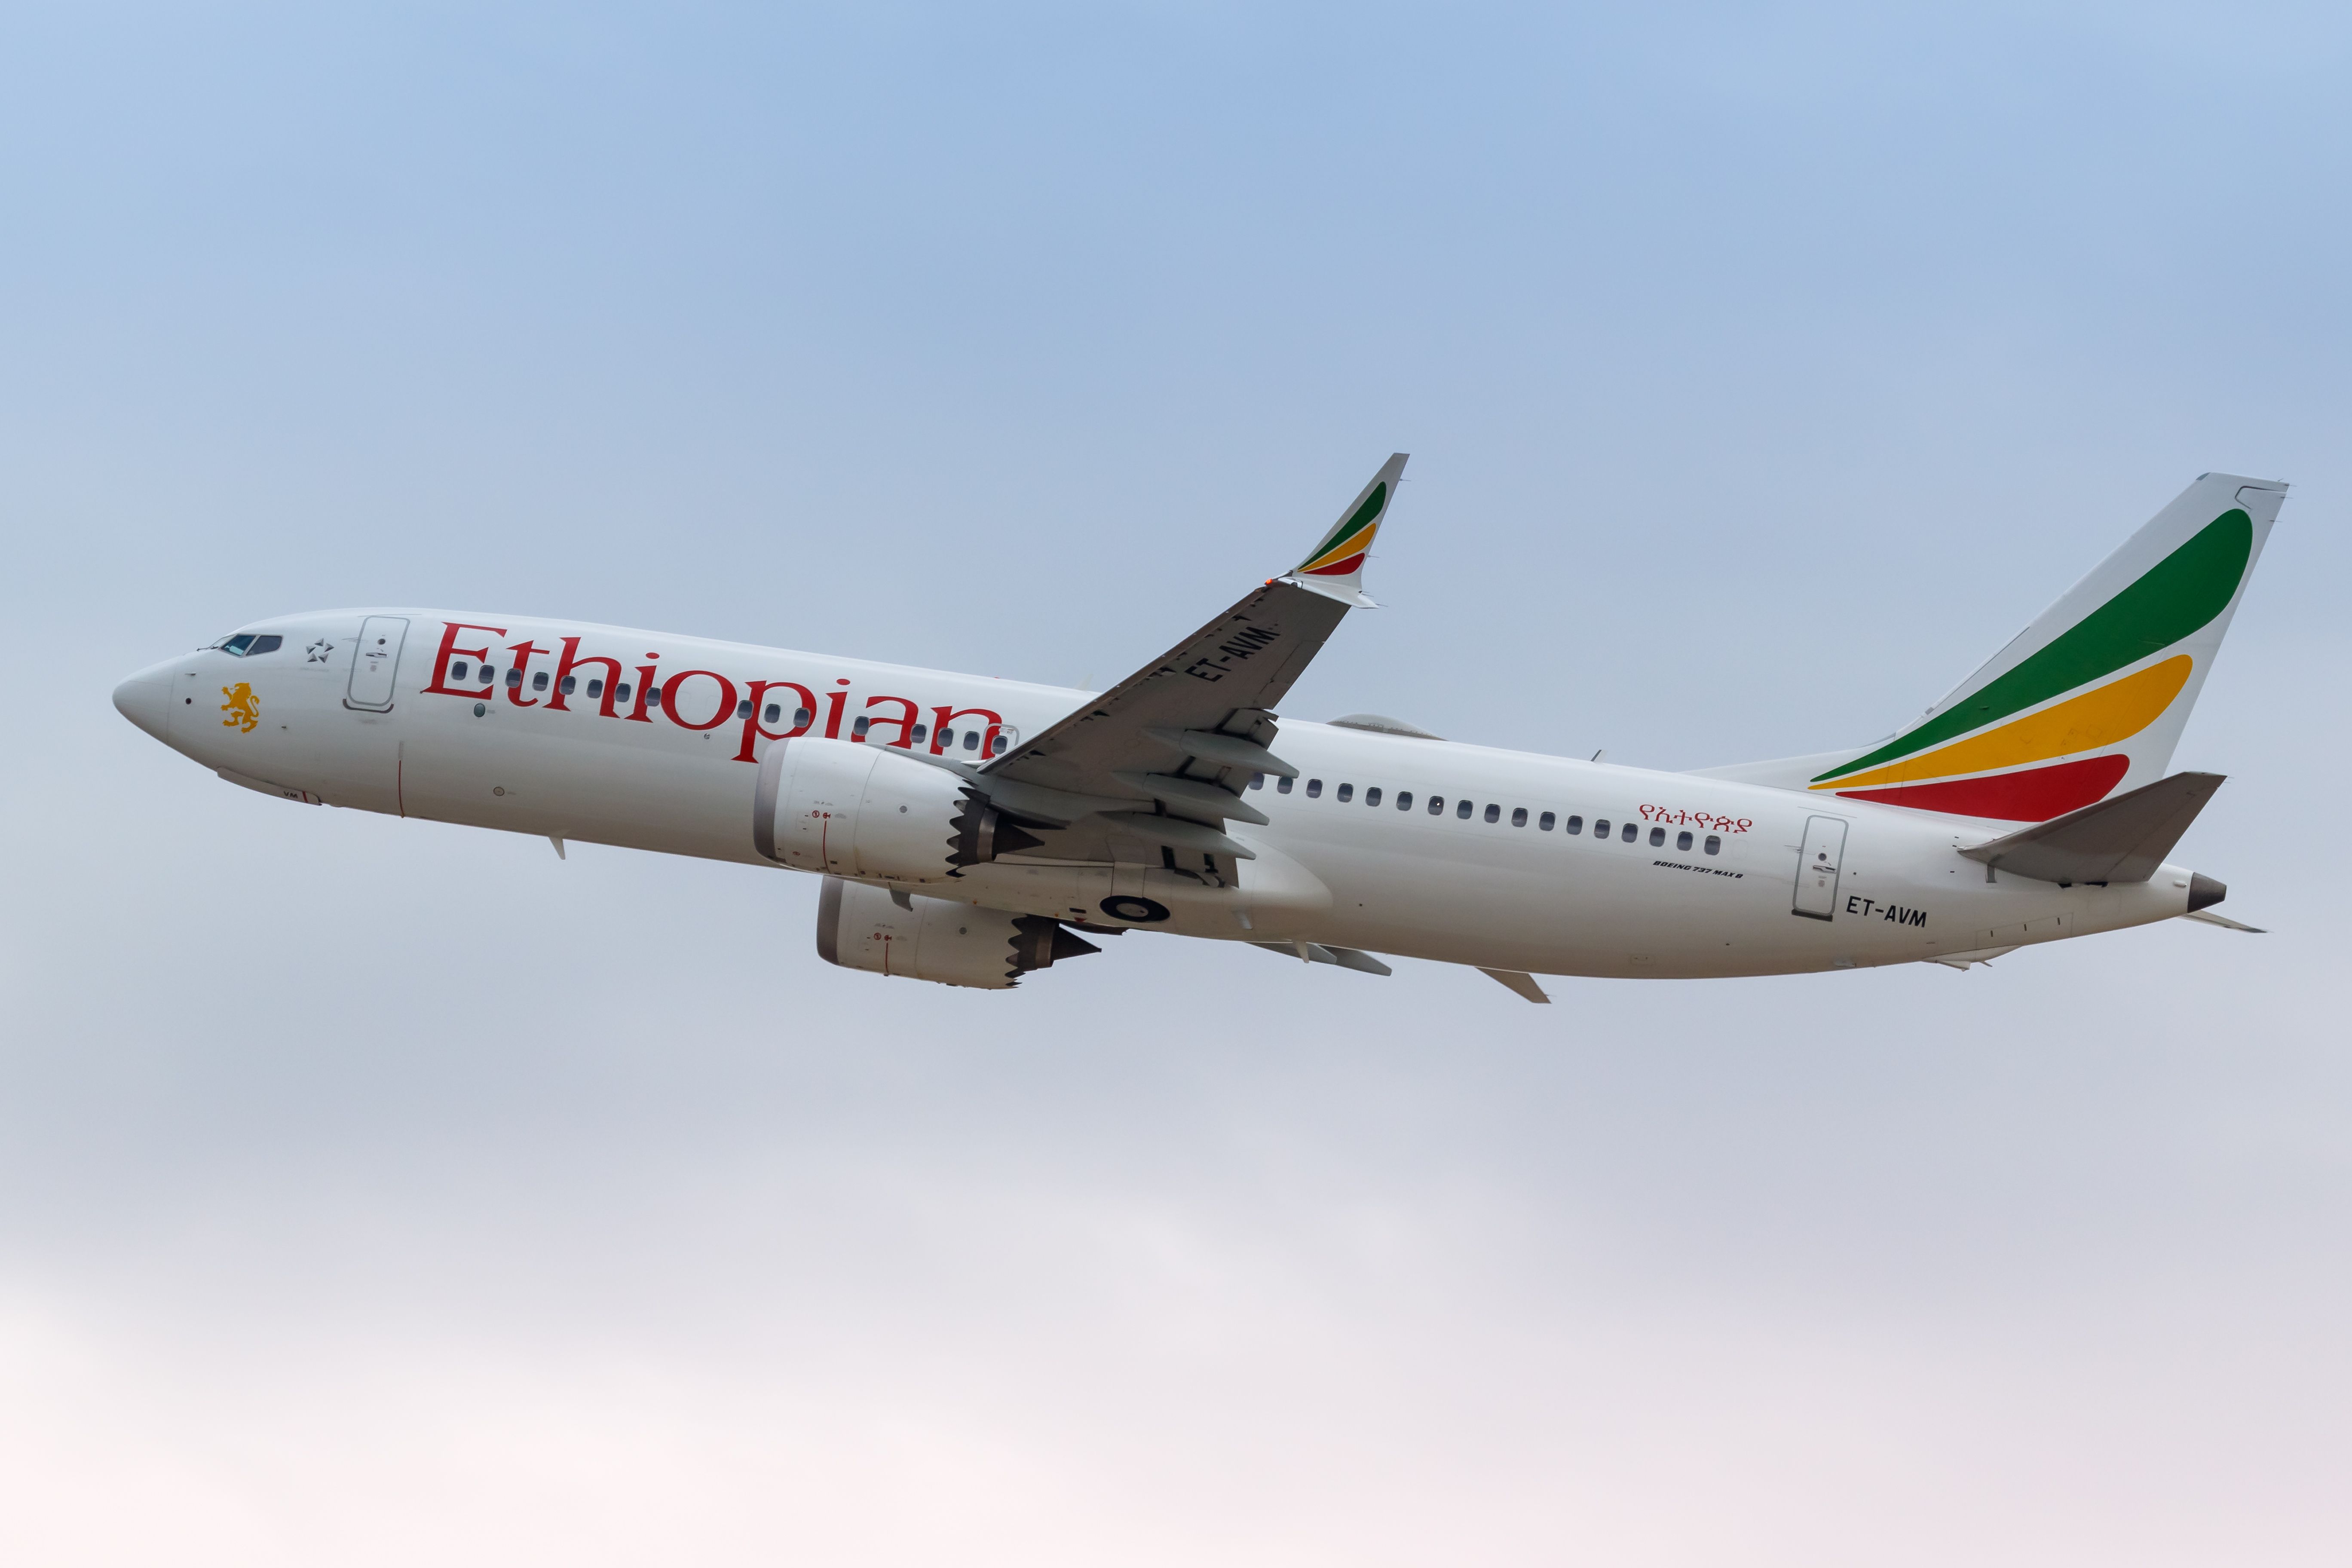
[[653, 695], [1347, 791], [1657, 837], [1543, 823], [920, 729], [570, 684], [1404, 800], [1437, 805], [1257, 780], [970, 739], [801, 716], [538, 681], [514, 679], [621, 692], [1573, 825], [1002, 740], [1682, 840], [860, 727], [1281, 787], [775, 711], [595, 686], [1599, 827], [1630, 833], [1462, 810], [457, 670], [1714, 844], [1372, 796], [1495, 813], [743, 708], [1314, 788], [1520, 816]]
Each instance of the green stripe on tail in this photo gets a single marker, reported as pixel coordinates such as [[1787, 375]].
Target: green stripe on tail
[[2175, 596]]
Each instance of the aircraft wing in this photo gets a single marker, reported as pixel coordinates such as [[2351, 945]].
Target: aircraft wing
[[1153, 768]]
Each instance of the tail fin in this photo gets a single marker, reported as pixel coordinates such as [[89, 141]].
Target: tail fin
[[2087, 700]]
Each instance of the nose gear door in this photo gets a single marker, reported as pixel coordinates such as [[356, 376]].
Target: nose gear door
[[1817, 867], [374, 662]]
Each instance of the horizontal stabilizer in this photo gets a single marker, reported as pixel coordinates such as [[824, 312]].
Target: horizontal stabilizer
[[2119, 841], [2224, 922]]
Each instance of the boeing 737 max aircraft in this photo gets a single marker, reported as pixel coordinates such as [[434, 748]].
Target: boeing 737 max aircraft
[[968, 829]]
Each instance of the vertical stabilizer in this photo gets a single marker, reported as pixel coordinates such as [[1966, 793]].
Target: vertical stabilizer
[[2089, 701]]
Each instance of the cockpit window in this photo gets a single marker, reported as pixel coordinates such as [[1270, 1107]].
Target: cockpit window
[[245, 645]]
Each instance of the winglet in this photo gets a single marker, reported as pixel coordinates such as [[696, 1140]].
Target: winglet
[[1334, 567]]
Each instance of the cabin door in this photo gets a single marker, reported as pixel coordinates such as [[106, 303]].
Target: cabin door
[[1817, 869], [374, 662]]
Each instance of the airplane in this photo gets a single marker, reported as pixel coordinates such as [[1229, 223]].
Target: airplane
[[973, 831]]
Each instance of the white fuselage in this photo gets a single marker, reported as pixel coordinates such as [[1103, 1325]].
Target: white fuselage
[[1883, 884]]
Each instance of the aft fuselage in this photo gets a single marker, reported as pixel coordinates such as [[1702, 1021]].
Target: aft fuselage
[[1391, 844]]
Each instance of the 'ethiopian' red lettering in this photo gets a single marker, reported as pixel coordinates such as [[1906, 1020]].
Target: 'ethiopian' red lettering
[[569, 661], [726, 698], [905, 721], [522, 652], [449, 646], [948, 716], [676, 696], [753, 731], [645, 690]]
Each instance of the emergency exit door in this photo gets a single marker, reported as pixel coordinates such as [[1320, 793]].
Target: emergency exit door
[[1817, 867], [374, 663]]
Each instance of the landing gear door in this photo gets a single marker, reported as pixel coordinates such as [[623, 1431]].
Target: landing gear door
[[374, 662], [1817, 867]]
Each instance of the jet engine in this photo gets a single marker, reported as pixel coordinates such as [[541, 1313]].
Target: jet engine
[[864, 927], [849, 809]]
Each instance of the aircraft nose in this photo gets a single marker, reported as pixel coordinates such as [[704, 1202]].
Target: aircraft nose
[[144, 698]]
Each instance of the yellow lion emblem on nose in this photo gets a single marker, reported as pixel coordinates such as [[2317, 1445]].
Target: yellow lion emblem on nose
[[243, 708]]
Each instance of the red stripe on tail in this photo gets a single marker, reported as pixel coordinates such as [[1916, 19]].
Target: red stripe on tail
[[2037, 794]]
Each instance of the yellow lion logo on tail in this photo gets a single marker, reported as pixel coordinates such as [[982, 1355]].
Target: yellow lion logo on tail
[[243, 708]]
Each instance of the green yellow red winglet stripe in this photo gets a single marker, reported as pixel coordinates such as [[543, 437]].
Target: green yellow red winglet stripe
[[1336, 564], [1343, 550]]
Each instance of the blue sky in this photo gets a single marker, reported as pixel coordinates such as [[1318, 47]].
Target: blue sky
[[376, 1190]]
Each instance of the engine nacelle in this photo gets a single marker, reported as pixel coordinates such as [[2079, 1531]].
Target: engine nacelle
[[849, 809], [862, 927]]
